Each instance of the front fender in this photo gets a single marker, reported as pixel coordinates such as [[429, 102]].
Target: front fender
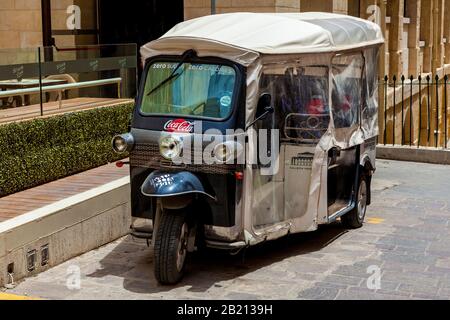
[[169, 184]]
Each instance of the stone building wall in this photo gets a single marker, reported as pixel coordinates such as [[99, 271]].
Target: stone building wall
[[21, 24]]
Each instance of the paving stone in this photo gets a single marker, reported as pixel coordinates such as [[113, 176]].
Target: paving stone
[[319, 293], [444, 292], [242, 296], [404, 267], [365, 294], [424, 296], [405, 242], [411, 277], [308, 268], [395, 293], [344, 280], [409, 258], [419, 288]]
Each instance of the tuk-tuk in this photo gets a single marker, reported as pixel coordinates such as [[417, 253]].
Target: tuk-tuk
[[249, 127]]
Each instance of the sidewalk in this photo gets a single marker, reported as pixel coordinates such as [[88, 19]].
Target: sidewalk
[[44, 226], [22, 202]]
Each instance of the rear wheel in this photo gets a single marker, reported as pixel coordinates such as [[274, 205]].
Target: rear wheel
[[355, 218], [171, 247]]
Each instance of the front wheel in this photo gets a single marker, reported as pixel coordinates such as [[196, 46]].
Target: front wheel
[[355, 218], [171, 247]]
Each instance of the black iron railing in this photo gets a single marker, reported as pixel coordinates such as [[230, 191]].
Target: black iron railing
[[415, 111]]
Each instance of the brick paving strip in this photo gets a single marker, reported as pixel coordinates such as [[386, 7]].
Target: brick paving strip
[[406, 238], [19, 203]]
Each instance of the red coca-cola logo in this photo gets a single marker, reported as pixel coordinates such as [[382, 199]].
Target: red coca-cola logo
[[178, 125]]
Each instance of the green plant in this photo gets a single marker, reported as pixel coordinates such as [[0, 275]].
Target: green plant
[[41, 150]]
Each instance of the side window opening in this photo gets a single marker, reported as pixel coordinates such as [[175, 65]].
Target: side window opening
[[300, 99], [347, 71]]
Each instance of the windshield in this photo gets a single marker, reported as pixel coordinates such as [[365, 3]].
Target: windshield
[[196, 89]]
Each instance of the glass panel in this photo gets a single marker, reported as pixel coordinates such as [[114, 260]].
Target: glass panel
[[19, 70], [88, 76], [196, 89], [300, 96], [300, 99], [369, 112], [347, 89]]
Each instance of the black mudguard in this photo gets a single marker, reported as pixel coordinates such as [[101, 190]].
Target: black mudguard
[[169, 184]]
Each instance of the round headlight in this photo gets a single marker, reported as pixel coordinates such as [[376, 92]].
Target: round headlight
[[170, 147], [228, 151], [123, 143]]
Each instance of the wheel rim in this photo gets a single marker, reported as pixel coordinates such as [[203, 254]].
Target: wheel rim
[[362, 200], [182, 247]]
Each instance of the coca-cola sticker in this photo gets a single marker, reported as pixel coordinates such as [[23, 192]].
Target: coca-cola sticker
[[179, 125]]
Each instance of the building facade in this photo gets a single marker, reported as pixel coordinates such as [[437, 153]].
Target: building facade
[[415, 30], [417, 34]]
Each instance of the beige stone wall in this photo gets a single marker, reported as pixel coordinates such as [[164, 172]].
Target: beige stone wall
[[20, 23], [317, 5], [59, 19], [88, 21], [198, 8], [340, 6], [417, 32]]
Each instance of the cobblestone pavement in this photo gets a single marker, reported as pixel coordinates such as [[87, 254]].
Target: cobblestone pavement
[[406, 238]]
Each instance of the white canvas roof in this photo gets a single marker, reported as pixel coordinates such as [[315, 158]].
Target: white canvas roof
[[276, 33]]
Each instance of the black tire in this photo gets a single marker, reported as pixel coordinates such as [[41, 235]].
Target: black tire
[[355, 218], [171, 247]]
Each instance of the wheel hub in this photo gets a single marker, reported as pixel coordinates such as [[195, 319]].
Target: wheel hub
[[182, 247], [362, 200]]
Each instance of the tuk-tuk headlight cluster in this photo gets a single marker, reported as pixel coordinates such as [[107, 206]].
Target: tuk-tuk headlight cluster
[[227, 151], [123, 142], [170, 147]]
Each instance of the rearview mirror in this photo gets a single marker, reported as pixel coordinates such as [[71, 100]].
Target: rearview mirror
[[263, 109], [264, 102]]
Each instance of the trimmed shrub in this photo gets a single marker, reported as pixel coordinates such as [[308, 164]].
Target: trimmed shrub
[[42, 150]]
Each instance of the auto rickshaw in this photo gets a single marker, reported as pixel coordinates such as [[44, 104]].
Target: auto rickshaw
[[249, 127]]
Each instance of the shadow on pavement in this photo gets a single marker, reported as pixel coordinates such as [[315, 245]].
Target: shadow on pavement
[[206, 268]]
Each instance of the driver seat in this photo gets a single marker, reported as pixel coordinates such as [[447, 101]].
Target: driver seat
[[212, 108]]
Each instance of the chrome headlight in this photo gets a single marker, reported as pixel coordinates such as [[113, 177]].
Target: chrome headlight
[[227, 151], [170, 147], [123, 142]]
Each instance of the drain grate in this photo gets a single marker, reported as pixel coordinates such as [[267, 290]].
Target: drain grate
[[45, 255], [31, 260]]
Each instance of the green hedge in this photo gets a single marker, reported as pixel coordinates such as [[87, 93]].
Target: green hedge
[[41, 150]]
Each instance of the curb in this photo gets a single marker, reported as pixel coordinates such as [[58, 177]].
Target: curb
[[48, 236], [414, 154]]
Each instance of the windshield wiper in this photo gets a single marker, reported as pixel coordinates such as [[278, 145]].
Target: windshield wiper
[[174, 73]]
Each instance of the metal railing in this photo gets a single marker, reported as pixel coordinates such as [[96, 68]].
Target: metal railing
[[63, 87], [414, 111]]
